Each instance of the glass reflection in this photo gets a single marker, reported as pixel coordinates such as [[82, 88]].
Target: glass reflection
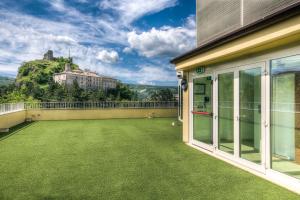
[[285, 115]]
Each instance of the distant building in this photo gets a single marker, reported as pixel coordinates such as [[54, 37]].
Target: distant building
[[48, 55], [86, 79]]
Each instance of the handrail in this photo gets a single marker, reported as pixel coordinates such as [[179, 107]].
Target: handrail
[[13, 107], [101, 105]]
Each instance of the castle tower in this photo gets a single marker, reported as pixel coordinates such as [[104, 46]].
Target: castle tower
[[48, 55], [68, 67]]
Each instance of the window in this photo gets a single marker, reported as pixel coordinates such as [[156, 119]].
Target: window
[[285, 115]]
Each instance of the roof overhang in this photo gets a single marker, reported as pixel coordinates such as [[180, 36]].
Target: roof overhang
[[278, 29]]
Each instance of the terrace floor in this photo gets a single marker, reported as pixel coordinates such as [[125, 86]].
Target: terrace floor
[[118, 159]]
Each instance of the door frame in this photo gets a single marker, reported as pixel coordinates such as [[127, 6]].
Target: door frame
[[258, 167], [264, 116], [216, 117], [191, 103]]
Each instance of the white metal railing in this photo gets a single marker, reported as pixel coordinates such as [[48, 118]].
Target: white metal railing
[[11, 107], [100, 105]]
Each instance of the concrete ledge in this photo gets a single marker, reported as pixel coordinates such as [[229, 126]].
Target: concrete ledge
[[9, 120], [37, 115], [4, 130]]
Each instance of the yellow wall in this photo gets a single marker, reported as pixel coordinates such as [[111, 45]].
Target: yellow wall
[[99, 114], [274, 36], [185, 116], [12, 119]]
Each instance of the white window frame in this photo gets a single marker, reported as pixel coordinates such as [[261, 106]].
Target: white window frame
[[279, 178], [191, 138]]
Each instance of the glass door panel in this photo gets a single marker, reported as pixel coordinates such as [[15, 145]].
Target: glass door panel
[[285, 115], [202, 110], [250, 114], [226, 112]]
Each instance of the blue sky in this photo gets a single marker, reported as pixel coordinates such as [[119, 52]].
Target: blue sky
[[132, 40]]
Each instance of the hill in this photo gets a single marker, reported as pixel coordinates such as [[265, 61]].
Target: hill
[[145, 91], [34, 82], [6, 80], [40, 72]]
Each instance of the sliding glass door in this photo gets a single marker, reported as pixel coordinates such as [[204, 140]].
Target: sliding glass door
[[250, 113], [235, 128], [241, 111], [225, 103], [285, 115]]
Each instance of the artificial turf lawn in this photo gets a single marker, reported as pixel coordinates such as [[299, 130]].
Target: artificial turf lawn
[[118, 159]]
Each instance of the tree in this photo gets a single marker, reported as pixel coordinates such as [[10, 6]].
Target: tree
[[164, 94], [76, 92], [120, 93], [96, 95], [54, 92]]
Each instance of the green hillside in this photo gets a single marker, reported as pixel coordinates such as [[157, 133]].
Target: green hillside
[[145, 91], [34, 82], [6, 80], [40, 72]]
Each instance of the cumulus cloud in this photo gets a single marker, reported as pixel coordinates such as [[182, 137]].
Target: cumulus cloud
[[108, 56], [25, 37], [62, 39], [143, 74], [165, 41], [154, 74], [130, 10], [127, 50]]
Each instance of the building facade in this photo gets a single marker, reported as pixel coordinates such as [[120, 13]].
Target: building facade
[[240, 88], [86, 79]]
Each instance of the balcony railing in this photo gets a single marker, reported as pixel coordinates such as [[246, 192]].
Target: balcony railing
[[101, 105], [11, 107]]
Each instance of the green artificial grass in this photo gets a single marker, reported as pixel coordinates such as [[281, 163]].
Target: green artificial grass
[[118, 159]]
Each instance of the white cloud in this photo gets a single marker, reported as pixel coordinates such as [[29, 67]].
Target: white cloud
[[151, 74], [166, 41], [7, 68], [108, 56], [127, 50], [100, 30], [130, 10], [24, 37], [62, 39], [144, 74]]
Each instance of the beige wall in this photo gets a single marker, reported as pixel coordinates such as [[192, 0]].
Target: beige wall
[[280, 34], [185, 115], [12, 119], [99, 114]]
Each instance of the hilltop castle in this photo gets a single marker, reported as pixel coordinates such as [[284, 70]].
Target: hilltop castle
[[48, 55], [86, 79]]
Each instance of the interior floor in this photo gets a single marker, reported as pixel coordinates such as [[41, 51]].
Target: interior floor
[[279, 164], [286, 166], [248, 152]]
